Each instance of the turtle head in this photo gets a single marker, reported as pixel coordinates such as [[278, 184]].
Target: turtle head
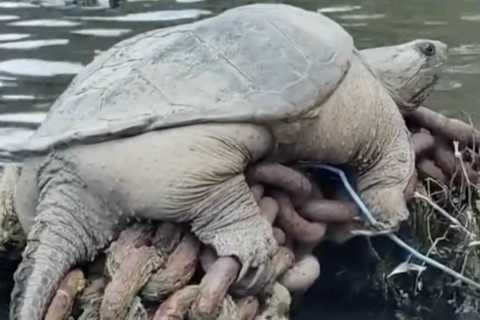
[[409, 70]]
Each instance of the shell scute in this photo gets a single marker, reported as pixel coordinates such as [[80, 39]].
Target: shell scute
[[256, 63]]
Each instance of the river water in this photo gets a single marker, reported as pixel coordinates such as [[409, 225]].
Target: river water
[[44, 44]]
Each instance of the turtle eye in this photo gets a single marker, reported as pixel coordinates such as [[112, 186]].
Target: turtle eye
[[428, 49]]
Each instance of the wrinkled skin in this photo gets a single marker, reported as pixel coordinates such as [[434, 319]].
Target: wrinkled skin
[[409, 71], [74, 202], [373, 142]]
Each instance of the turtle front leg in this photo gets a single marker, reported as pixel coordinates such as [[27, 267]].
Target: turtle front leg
[[230, 221], [382, 188], [71, 226]]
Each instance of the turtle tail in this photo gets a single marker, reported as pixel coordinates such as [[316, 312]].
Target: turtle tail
[[67, 231], [46, 260]]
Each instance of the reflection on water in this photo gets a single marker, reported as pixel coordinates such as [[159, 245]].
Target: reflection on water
[[13, 36], [339, 9], [33, 44], [15, 5], [102, 32], [44, 23], [43, 44], [164, 15], [41, 68], [8, 17]]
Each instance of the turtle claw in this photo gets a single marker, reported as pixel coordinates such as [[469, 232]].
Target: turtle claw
[[258, 274], [251, 241], [243, 272]]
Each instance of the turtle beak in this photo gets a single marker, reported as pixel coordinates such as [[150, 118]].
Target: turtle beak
[[442, 50]]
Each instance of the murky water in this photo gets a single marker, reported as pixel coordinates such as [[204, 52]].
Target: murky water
[[44, 44]]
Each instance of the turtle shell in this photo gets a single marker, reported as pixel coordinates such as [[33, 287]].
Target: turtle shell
[[255, 63]]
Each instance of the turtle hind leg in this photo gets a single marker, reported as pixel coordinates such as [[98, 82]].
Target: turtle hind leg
[[67, 230], [230, 221]]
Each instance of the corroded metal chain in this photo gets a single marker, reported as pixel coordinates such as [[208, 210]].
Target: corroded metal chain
[[161, 271]]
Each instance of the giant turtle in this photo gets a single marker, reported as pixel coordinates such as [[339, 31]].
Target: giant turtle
[[162, 126]]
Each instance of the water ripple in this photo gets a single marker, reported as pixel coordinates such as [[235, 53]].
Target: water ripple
[[362, 16], [39, 68], [7, 78], [25, 117], [164, 15], [56, 3], [435, 23], [8, 17], [12, 136], [44, 23], [339, 9], [13, 36], [6, 84], [354, 25], [466, 49], [33, 44], [464, 69], [445, 85], [475, 17], [16, 97], [102, 32], [17, 5]]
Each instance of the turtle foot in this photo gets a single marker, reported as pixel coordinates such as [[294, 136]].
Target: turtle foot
[[252, 242]]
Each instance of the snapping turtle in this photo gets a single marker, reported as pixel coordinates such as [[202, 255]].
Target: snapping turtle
[[162, 126]]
